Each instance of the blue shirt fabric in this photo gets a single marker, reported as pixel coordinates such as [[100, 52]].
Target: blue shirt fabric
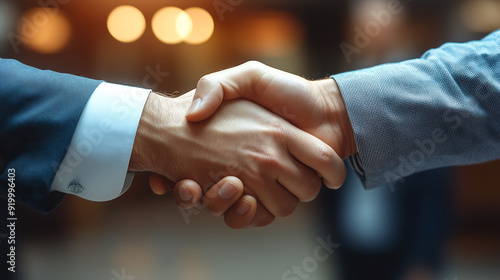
[[439, 110]]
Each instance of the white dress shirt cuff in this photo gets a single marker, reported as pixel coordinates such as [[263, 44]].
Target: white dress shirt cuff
[[96, 162]]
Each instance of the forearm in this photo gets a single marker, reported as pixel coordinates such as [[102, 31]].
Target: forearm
[[440, 110], [139, 159], [159, 136]]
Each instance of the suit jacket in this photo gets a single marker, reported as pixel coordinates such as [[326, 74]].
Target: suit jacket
[[439, 110], [39, 111]]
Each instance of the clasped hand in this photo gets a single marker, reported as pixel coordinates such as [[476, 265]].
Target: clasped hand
[[250, 160]]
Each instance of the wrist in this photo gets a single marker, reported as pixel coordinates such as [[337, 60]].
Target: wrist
[[146, 138], [338, 116], [161, 137]]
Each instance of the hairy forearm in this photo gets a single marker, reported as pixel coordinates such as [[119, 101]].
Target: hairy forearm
[[153, 129]]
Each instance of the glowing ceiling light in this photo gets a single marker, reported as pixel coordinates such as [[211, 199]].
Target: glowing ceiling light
[[171, 25], [126, 23], [183, 25], [44, 30], [202, 26]]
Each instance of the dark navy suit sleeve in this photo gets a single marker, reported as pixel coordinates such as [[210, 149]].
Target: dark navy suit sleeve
[[39, 111]]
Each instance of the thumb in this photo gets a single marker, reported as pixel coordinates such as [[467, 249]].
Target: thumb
[[208, 96], [227, 84]]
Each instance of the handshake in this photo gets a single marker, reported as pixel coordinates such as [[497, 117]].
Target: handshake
[[249, 142]]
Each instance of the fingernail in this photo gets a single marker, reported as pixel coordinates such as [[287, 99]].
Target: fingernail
[[228, 190], [243, 207], [193, 106], [185, 195], [330, 185]]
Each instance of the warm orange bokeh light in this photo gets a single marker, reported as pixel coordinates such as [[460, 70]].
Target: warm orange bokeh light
[[44, 30], [171, 25], [269, 34], [183, 25], [126, 23], [203, 26], [480, 15]]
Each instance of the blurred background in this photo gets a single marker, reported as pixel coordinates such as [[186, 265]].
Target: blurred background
[[442, 224]]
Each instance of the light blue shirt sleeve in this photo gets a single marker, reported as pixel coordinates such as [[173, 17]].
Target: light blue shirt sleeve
[[440, 110], [96, 162]]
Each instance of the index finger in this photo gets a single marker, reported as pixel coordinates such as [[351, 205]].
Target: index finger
[[314, 153]]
